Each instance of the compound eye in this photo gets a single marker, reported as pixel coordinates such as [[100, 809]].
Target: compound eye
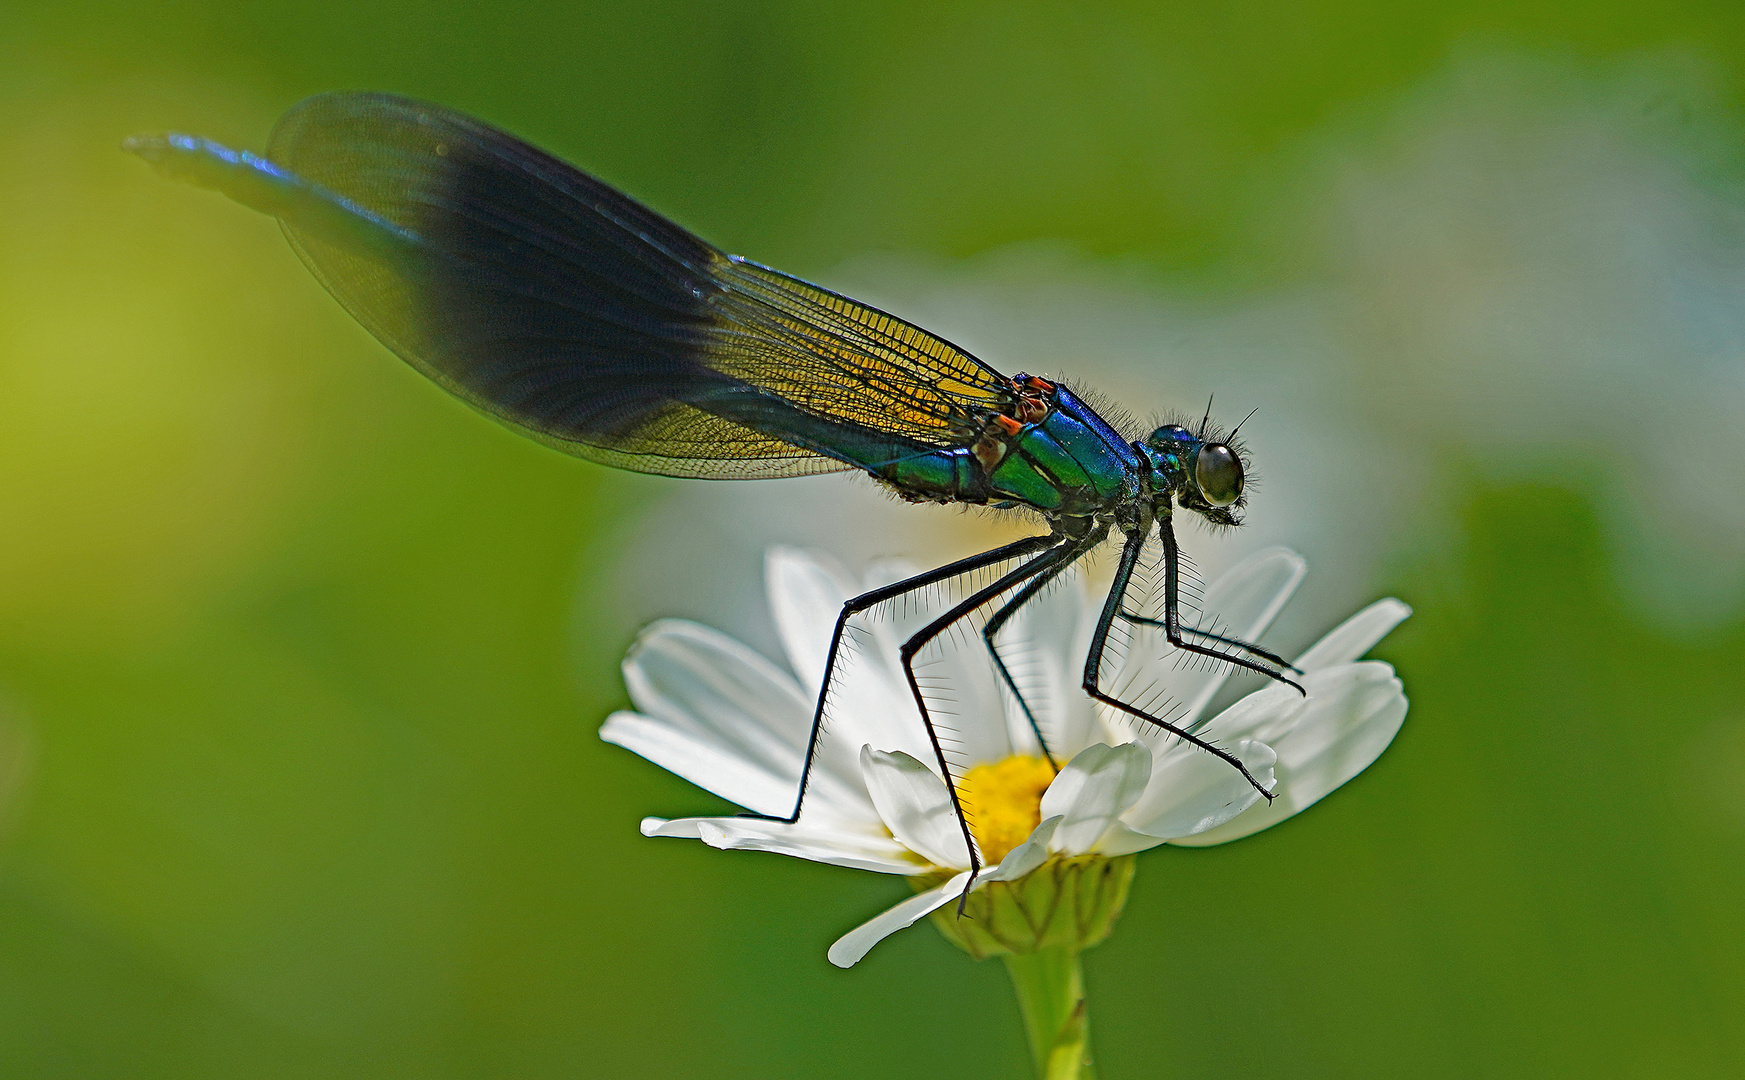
[[1218, 473]]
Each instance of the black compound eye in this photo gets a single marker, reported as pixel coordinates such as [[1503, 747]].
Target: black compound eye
[[1218, 472]]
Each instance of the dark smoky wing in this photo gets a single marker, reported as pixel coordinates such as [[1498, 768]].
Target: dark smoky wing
[[550, 300]]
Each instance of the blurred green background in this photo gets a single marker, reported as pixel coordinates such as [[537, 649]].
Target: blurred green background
[[301, 663]]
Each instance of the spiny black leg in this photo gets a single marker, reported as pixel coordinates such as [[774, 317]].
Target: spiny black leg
[[1094, 664], [1011, 608], [1172, 617], [1014, 550], [919, 640], [1236, 643]]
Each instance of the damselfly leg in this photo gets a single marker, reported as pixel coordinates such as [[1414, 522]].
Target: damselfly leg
[[872, 598], [1046, 557], [1130, 552], [1010, 608], [1063, 553], [1207, 635], [1174, 631]]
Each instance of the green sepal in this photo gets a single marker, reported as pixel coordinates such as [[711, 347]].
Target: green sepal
[[1066, 903]]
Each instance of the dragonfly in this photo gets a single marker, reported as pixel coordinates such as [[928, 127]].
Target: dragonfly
[[565, 309]]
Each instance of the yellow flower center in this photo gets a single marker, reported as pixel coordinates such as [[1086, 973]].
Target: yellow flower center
[[1003, 802]]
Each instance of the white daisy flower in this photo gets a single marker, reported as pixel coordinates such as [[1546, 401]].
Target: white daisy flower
[[715, 712]]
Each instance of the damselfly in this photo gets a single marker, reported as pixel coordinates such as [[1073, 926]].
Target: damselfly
[[574, 314]]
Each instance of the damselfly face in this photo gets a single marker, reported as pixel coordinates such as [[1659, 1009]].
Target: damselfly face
[[1205, 477]]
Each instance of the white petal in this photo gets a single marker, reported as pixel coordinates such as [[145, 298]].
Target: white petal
[[954, 670], [1268, 712], [869, 702], [1273, 712], [850, 947], [1033, 852], [1044, 646], [736, 724], [838, 848], [733, 722], [915, 806], [1121, 840], [701, 762], [805, 599], [1356, 635], [1242, 603], [877, 853], [1192, 791], [1095, 788], [1352, 714], [679, 671]]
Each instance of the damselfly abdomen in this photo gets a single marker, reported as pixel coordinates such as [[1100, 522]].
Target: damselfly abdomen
[[572, 313]]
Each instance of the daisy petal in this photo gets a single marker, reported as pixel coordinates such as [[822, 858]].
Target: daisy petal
[[1120, 840], [1095, 788], [1352, 714], [703, 764], [1242, 603], [850, 947], [1193, 791], [1033, 852], [683, 672], [876, 853], [733, 722], [805, 599], [1356, 635], [915, 806], [818, 845], [1044, 647], [966, 691], [1267, 712]]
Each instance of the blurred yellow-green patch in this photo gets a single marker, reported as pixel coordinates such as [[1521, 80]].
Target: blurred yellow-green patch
[[301, 662]]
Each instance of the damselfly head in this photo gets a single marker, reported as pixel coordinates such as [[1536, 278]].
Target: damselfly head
[[1204, 476]]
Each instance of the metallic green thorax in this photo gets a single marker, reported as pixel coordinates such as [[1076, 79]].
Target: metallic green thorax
[[1067, 463]]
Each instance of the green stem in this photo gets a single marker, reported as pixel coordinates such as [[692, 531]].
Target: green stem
[[1051, 995]]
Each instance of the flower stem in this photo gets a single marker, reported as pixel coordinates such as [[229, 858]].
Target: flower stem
[[1051, 995]]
